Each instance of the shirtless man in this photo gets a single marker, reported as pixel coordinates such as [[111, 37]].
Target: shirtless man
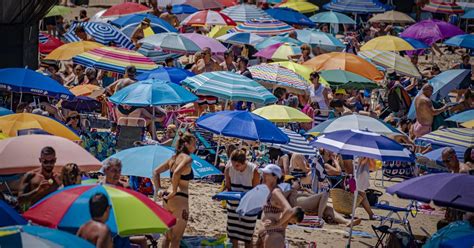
[[138, 33], [95, 230], [37, 183], [169, 17], [425, 111], [451, 161], [128, 79]]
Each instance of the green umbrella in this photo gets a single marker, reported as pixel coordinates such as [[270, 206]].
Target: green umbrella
[[347, 80], [58, 10]]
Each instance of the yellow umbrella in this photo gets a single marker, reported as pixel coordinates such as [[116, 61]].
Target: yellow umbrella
[[84, 89], [387, 43], [11, 124], [468, 124], [3, 136], [392, 16], [282, 114], [301, 70], [69, 50], [58, 10], [219, 30], [300, 6]]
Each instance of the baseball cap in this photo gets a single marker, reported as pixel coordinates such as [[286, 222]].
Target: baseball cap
[[271, 169], [341, 91]]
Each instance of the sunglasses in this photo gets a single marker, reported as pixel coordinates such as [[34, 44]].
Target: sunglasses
[[52, 161]]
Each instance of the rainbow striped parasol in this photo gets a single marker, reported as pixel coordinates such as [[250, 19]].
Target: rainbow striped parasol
[[443, 7], [114, 59], [274, 75], [131, 212], [264, 27]]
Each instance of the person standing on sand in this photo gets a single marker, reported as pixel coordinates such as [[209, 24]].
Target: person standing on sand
[[95, 230], [169, 17], [425, 112]]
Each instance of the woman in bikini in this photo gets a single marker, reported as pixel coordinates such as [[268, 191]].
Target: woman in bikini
[[176, 199]]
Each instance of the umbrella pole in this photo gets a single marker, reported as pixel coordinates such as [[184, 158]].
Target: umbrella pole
[[217, 150], [11, 101], [354, 205], [153, 128]]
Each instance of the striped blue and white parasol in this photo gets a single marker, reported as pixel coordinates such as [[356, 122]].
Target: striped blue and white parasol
[[298, 144], [244, 12], [43, 38], [357, 6], [103, 33]]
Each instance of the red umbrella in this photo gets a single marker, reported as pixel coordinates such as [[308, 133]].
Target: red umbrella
[[50, 44], [205, 4], [228, 3], [208, 17], [125, 9]]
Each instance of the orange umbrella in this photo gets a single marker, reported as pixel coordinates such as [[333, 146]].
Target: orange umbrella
[[84, 89], [347, 62]]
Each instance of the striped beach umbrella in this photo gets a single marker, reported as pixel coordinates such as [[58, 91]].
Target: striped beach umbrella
[[42, 37], [131, 212], [241, 38], [103, 33], [301, 70], [205, 41], [443, 7], [297, 144], [126, 8], [273, 75], [208, 17], [322, 40], [129, 23], [114, 59], [279, 52], [282, 114], [357, 6], [464, 116], [172, 42], [277, 39], [391, 60], [68, 51], [264, 27], [300, 6], [468, 124], [244, 12], [463, 137], [229, 86], [205, 4], [359, 122], [156, 55]]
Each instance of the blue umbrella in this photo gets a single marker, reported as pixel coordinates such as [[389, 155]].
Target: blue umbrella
[[290, 16], [332, 17], [463, 40], [464, 241], [320, 39], [275, 40], [142, 161], [10, 217], [157, 24], [183, 9], [171, 74], [28, 81], [103, 33], [5, 111], [462, 117], [156, 56], [241, 38], [468, 15], [447, 81], [416, 43], [357, 6], [435, 155], [242, 125], [153, 92]]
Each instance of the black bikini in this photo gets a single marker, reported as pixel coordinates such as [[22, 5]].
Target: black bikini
[[187, 177]]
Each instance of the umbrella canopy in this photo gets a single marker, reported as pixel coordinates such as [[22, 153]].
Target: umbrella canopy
[[302, 70], [282, 114], [443, 7], [85, 89], [229, 86], [347, 80], [20, 154], [320, 39], [183, 9], [264, 27], [392, 16], [279, 52], [468, 124], [447, 81], [208, 17], [68, 209], [156, 55], [102, 33], [290, 16], [82, 104], [49, 44], [275, 40], [219, 30], [297, 144], [416, 43], [241, 38], [387, 43], [274, 75], [345, 61], [363, 144], [444, 190], [126, 8], [300, 6], [354, 121], [28, 81], [142, 161], [242, 125], [463, 137], [97, 17], [204, 41], [431, 31], [153, 92], [463, 240], [436, 155], [332, 17], [244, 12], [391, 60], [464, 116], [468, 15], [172, 42], [228, 3], [357, 6], [58, 10], [463, 40], [68, 51], [9, 216], [207, 4], [157, 24], [169, 74], [37, 236], [5, 111], [114, 59]]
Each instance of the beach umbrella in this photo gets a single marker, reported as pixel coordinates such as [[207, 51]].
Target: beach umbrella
[[462, 239], [219, 30], [282, 114], [183, 9], [206, 4], [37, 236], [416, 43], [229, 86], [228, 3], [58, 10], [131, 212], [126, 8], [24, 80], [9, 216], [20, 154], [156, 55], [387, 43], [49, 44], [391, 60], [431, 31], [97, 17], [347, 80], [69, 50], [344, 61], [169, 74], [463, 137], [82, 104], [5, 111], [332, 17], [468, 15], [392, 16], [444, 190], [279, 52], [114, 59], [302, 70], [204, 41], [208, 17], [443, 7], [274, 75], [468, 124], [464, 116], [448, 81], [300, 6], [142, 161], [357, 6], [275, 40], [172, 42], [85, 89], [241, 38], [320, 39], [244, 12], [297, 144], [290, 16], [436, 155], [354, 121], [102, 33], [43, 37], [129, 23], [265, 27], [463, 40]]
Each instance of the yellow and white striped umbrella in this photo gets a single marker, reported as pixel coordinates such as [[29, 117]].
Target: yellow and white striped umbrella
[[391, 60]]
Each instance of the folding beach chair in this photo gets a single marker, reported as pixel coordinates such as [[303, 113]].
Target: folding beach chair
[[129, 130], [397, 215]]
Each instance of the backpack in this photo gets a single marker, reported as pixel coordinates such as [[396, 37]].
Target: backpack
[[398, 99]]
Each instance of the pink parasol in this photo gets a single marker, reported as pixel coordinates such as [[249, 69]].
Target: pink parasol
[[204, 41]]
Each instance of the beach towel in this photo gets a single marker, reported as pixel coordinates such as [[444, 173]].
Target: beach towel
[[312, 221]]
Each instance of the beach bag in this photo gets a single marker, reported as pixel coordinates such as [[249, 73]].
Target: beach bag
[[342, 201], [400, 239], [373, 196]]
